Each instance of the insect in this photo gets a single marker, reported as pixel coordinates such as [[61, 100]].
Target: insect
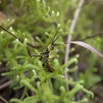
[[46, 55]]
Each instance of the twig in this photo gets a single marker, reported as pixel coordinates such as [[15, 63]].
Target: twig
[[72, 27], [3, 100], [5, 85]]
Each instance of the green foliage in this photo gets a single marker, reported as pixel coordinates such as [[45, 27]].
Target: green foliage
[[35, 21], [28, 72], [90, 22]]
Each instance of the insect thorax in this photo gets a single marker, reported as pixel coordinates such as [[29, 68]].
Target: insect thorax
[[50, 48]]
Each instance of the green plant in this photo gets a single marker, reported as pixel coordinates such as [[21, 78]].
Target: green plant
[[27, 72]]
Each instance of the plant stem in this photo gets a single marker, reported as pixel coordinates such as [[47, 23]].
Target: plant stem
[[72, 27]]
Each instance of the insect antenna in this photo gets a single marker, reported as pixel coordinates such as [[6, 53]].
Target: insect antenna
[[33, 46], [56, 39]]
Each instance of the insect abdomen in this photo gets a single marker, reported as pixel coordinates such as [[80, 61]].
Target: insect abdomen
[[48, 67]]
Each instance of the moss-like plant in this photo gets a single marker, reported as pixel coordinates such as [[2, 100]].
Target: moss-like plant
[[25, 67]]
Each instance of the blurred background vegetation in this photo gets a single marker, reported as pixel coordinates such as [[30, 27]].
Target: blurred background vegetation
[[30, 18]]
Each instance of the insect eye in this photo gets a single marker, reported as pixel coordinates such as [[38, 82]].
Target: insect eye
[[50, 48]]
